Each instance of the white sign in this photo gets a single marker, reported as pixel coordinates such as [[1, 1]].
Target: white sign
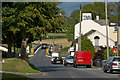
[[86, 16]]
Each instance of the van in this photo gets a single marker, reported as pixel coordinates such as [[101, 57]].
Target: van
[[54, 55], [82, 58]]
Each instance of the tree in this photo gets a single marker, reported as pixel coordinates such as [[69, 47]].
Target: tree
[[113, 9], [86, 45], [110, 53], [29, 21]]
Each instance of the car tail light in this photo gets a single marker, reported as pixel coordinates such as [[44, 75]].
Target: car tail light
[[114, 64]]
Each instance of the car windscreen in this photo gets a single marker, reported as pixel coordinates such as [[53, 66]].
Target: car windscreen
[[116, 59], [44, 44], [69, 57]]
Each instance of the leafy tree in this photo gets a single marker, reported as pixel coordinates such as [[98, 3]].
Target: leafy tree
[[86, 45], [110, 53], [113, 9], [29, 21]]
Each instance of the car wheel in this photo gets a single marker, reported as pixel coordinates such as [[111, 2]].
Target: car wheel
[[65, 64], [104, 70], [75, 66], [88, 66], [110, 71]]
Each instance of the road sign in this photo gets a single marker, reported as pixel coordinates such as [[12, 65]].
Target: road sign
[[114, 50]]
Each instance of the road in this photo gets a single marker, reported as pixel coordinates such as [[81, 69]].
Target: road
[[59, 71]]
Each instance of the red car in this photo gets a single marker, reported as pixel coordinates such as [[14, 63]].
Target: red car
[[82, 58]]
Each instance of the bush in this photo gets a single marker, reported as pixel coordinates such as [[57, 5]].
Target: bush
[[64, 51], [110, 53], [86, 45], [4, 54]]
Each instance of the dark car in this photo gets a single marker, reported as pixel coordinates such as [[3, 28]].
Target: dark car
[[58, 60], [112, 64], [68, 60], [44, 46]]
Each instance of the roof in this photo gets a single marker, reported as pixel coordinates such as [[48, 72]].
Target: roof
[[101, 22], [92, 31]]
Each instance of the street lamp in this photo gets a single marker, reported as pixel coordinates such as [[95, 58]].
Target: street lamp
[[106, 29]]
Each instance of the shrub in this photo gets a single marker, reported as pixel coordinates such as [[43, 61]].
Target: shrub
[[86, 45], [64, 51], [4, 54]]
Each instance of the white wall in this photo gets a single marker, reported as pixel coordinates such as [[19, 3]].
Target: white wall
[[102, 40], [88, 25]]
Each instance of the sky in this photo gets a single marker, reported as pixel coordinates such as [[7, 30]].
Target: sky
[[69, 7]]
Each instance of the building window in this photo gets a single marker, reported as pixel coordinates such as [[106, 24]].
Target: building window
[[96, 38], [116, 43], [115, 29]]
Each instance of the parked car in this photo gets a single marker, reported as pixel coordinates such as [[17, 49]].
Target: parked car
[[58, 60], [112, 64], [82, 58], [68, 60], [44, 46]]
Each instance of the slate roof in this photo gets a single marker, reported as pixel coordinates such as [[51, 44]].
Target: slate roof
[[101, 22]]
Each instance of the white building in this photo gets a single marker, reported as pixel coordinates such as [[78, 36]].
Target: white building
[[95, 30]]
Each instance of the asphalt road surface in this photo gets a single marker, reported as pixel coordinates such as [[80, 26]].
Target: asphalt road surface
[[54, 71]]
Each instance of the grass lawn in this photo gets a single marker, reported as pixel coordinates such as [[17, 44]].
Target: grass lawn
[[56, 34], [18, 65], [6, 76]]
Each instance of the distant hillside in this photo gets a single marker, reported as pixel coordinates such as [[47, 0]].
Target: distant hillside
[[63, 41]]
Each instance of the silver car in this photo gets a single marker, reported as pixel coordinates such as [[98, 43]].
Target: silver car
[[68, 60], [113, 64]]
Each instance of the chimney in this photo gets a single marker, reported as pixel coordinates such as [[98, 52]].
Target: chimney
[[97, 17]]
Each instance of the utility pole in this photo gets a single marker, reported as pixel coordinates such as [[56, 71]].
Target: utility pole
[[79, 39], [118, 39], [107, 30]]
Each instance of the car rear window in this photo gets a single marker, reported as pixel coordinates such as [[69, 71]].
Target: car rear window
[[70, 57], [58, 58], [116, 59]]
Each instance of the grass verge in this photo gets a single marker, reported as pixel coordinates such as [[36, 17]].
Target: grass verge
[[6, 76], [18, 65]]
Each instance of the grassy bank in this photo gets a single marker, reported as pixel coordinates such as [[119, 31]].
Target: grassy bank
[[18, 65], [6, 76]]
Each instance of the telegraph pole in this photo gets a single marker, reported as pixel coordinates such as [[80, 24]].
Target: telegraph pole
[[107, 30], [118, 39], [79, 39]]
